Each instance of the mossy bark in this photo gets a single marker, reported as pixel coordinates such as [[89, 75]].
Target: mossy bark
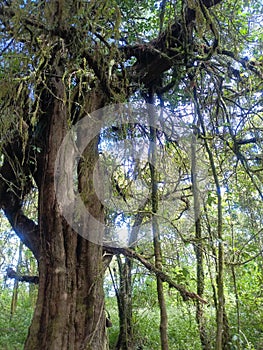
[[69, 311]]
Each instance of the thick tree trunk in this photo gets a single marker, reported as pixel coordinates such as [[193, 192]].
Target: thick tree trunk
[[70, 307], [69, 312]]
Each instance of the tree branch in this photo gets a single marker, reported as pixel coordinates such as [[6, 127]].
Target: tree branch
[[7, 12], [21, 278], [168, 48], [15, 184], [186, 295], [25, 228]]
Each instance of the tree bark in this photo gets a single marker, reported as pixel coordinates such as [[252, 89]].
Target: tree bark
[[69, 312]]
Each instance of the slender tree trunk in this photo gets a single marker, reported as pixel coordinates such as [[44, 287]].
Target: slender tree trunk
[[222, 333], [237, 305], [155, 227], [125, 339], [69, 311], [124, 297], [235, 285], [162, 303], [200, 318], [16, 283]]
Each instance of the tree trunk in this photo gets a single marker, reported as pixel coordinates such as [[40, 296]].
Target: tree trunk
[[16, 283], [69, 311], [222, 332], [124, 297], [155, 226], [125, 339], [200, 318]]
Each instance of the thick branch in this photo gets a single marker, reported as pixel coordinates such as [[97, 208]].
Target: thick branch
[[7, 12], [25, 228], [167, 49], [13, 188], [186, 295], [21, 278]]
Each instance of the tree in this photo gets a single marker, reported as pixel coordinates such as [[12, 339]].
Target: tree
[[62, 60]]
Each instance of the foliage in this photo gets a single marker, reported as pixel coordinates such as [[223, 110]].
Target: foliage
[[13, 331]]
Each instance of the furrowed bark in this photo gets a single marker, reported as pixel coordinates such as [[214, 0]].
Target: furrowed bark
[[69, 311]]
